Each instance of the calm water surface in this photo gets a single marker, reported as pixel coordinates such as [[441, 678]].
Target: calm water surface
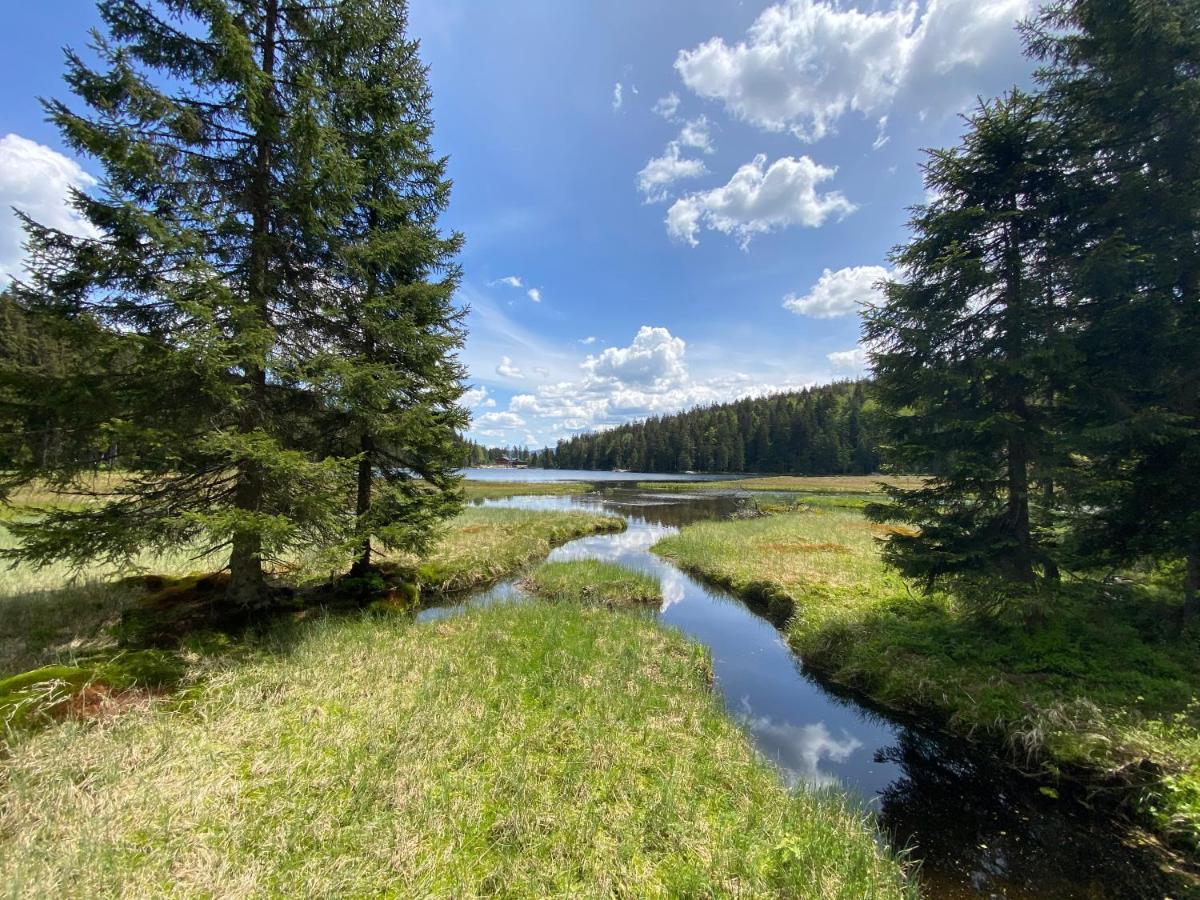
[[977, 830]]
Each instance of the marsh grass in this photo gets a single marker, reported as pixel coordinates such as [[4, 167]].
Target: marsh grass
[[56, 613], [523, 750], [865, 485], [484, 544], [496, 490], [593, 582], [1102, 691]]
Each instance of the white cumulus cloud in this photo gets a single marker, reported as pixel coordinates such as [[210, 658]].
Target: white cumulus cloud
[[513, 281], [617, 99], [506, 369], [476, 398], [502, 420], [667, 106], [758, 199], [36, 180], [654, 360], [838, 293], [849, 360], [535, 294], [697, 134], [804, 63], [655, 179]]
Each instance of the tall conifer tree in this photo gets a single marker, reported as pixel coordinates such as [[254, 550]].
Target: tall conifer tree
[[966, 347], [224, 186], [1122, 82], [391, 369]]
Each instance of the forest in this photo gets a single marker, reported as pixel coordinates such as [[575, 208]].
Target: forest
[[818, 431], [825, 430]]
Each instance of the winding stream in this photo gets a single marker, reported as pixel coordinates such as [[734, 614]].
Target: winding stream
[[977, 830]]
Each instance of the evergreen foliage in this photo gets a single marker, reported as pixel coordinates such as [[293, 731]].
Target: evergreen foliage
[[261, 217], [391, 369], [827, 430], [967, 351], [1121, 80]]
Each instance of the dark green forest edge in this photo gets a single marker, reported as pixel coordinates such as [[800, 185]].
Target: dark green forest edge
[[828, 430], [269, 249]]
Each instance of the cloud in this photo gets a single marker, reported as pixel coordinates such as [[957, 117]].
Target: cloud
[[502, 420], [617, 99], [667, 106], [838, 293], [800, 750], [590, 339], [849, 360], [881, 136], [696, 134], [649, 376], [37, 181], [506, 369], [759, 199], [477, 397], [654, 360], [661, 172], [535, 294], [513, 281], [804, 63]]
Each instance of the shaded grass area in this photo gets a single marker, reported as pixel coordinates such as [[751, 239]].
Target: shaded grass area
[[496, 490], [57, 615], [818, 484], [1102, 693], [595, 583], [525, 750], [482, 545]]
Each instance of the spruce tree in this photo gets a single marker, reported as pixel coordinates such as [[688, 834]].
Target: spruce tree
[[965, 348], [1122, 83], [391, 369], [224, 186]]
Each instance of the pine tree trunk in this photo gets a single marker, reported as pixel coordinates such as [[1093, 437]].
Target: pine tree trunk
[[366, 473], [1017, 516], [247, 583]]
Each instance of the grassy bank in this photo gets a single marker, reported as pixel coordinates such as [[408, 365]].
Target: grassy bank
[[594, 583], [483, 545], [1107, 697], [816, 484], [55, 614], [495, 490], [522, 750]]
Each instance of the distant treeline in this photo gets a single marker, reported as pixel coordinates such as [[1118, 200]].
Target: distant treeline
[[819, 431], [825, 430]]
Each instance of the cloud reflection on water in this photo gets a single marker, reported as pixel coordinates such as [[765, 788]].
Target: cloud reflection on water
[[799, 749]]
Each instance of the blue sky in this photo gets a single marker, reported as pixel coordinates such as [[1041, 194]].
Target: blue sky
[[675, 232]]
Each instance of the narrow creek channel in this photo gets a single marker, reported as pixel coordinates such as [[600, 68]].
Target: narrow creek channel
[[977, 830]]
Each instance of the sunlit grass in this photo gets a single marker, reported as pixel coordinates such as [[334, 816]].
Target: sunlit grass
[[593, 582], [1102, 687], [820, 484], [528, 750], [56, 613], [484, 544], [495, 490]]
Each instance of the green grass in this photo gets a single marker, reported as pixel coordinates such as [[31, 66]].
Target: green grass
[[595, 583], [519, 750], [56, 615], [818, 484], [495, 490], [1102, 692], [482, 545]]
